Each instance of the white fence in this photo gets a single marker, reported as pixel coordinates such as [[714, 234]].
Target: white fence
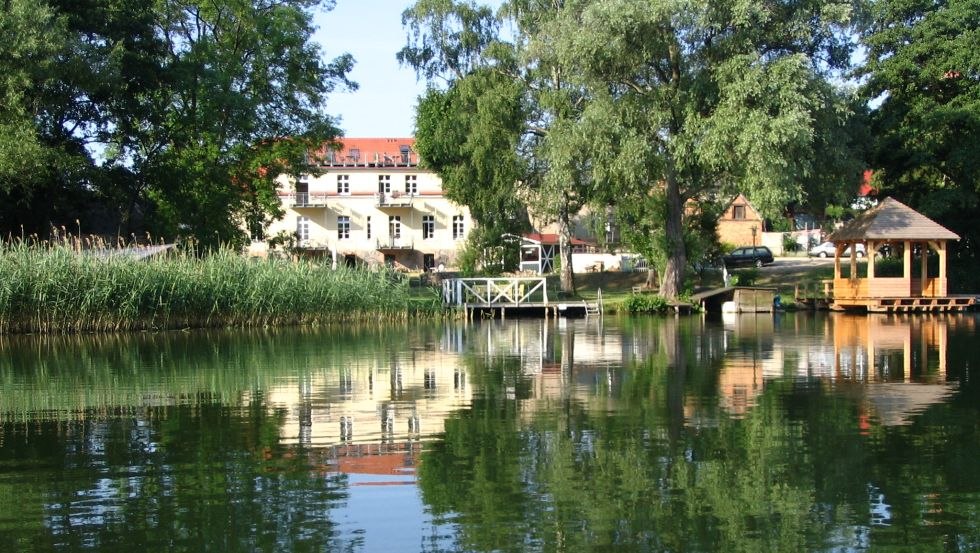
[[494, 291]]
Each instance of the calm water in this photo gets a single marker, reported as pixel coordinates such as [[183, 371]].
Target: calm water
[[799, 433]]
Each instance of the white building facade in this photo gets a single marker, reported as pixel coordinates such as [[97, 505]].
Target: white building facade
[[372, 204]]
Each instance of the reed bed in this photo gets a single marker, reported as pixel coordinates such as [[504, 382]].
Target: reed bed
[[57, 288]]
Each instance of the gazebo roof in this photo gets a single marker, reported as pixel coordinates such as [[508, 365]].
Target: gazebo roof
[[892, 220]]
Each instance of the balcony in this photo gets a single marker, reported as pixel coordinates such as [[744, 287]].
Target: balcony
[[389, 244], [394, 200], [306, 199]]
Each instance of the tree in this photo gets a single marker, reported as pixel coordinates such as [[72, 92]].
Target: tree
[[170, 117], [923, 66], [506, 128], [44, 167], [690, 99], [240, 100]]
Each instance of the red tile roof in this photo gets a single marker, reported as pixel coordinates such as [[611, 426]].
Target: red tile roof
[[866, 189], [372, 150], [552, 239]]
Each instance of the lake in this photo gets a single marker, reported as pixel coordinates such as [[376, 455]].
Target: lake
[[793, 432]]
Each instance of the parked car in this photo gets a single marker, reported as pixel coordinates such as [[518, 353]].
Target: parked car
[[750, 255], [827, 250]]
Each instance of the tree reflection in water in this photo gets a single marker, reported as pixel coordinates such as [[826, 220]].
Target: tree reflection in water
[[662, 461], [794, 433]]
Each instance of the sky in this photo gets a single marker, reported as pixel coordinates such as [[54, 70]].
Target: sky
[[371, 31]]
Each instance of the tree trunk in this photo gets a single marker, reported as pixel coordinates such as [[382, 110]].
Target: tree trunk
[[673, 278], [565, 252], [651, 281]]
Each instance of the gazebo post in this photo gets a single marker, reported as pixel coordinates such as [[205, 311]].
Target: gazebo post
[[941, 287], [854, 262], [924, 268], [837, 250], [907, 264], [872, 253]]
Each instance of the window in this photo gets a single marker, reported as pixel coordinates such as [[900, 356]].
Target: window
[[355, 154], [458, 227], [428, 226], [367, 227], [302, 228], [404, 151], [738, 212], [411, 185], [343, 227], [428, 261], [343, 185], [395, 226], [384, 184]]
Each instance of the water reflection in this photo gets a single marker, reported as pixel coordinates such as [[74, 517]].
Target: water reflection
[[791, 433], [876, 351]]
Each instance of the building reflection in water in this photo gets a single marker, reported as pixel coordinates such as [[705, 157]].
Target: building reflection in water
[[386, 410], [898, 363]]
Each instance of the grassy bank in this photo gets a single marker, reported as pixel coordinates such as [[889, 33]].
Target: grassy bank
[[55, 289]]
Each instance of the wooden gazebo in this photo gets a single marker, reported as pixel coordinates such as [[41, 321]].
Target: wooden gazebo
[[905, 232]]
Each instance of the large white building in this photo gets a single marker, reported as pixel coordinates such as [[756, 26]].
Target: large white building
[[373, 204]]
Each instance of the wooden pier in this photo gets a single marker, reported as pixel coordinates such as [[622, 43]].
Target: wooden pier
[[500, 297], [737, 299]]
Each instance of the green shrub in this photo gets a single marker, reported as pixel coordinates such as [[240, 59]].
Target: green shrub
[[744, 277], [789, 243], [645, 303]]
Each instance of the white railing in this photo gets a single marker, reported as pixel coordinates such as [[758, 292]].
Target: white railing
[[395, 199], [395, 243], [494, 291]]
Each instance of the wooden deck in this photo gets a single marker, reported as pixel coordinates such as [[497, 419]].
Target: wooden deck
[[520, 297], [821, 296]]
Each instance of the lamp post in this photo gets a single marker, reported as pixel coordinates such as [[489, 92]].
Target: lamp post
[[754, 232]]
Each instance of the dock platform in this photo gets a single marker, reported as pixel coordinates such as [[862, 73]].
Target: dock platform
[[516, 297]]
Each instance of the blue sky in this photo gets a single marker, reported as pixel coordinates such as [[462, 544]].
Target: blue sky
[[371, 31]]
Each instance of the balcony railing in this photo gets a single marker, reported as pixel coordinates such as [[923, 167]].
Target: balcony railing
[[370, 159], [306, 199], [395, 244], [395, 199]]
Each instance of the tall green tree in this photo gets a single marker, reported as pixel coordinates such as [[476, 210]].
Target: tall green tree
[[636, 104], [240, 99], [695, 99], [505, 129], [923, 69], [169, 117], [45, 172]]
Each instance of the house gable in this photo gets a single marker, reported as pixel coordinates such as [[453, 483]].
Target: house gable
[[740, 224]]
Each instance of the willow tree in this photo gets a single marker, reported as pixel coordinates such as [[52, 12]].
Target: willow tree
[[691, 100], [501, 121]]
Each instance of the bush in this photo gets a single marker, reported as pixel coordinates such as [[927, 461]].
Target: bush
[[789, 243], [744, 277], [645, 303]]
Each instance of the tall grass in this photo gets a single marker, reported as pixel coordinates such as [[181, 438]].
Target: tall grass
[[55, 288]]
